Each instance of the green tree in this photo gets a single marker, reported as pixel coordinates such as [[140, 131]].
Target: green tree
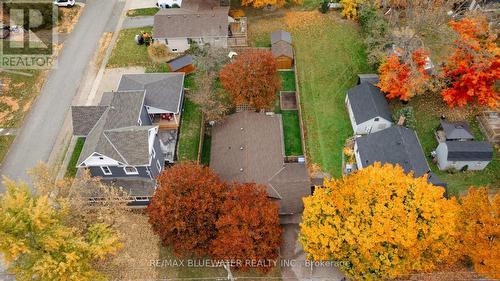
[[37, 242]]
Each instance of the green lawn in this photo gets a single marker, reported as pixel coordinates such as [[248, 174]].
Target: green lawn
[[287, 80], [291, 132], [71, 169], [142, 12], [328, 57], [428, 110], [189, 137], [5, 142], [206, 149], [127, 53]]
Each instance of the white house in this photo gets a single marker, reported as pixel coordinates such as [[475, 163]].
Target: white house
[[470, 155], [368, 109]]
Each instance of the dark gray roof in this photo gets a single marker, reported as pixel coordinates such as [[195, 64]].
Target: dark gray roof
[[456, 130], [370, 78], [133, 186], [163, 90], [117, 134], [85, 117], [469, 151], [282, 48], [180, 62], [187, 22], [281, 35], [395, 145], [248, 147], [437, 181], [368, 102]]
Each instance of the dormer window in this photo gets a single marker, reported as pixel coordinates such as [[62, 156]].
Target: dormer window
[[130, 170], [106, 170]]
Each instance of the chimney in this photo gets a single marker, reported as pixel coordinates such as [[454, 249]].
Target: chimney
[[401, 120]]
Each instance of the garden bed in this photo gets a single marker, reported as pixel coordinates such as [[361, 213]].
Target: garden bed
[[189, 134], [71, 169]]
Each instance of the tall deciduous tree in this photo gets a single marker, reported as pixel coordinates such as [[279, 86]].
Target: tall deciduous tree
[[38, 243], [474, 65], [404, 80], [249, 228], [480, 219], [252, 79], [186, 206], [384, 222]]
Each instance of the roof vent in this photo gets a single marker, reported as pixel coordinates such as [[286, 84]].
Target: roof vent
[[398, 142], [241, 147], [242, 128], [241, 169]]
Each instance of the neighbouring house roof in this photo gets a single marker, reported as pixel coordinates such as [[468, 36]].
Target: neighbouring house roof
[[282, 48], [163, 90], [370, 78], [180, 62], [368, 102], [456, 130], [469, 151], [85, 117], [248, 147], [395, 145], [281, 35], [437, 181], [192, 20], [117, 134]]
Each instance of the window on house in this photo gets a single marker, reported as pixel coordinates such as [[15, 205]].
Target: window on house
[[376, 119], [158, 165], [166, 41], [106, 170], [130, 170], [153, 153], [140, 122]]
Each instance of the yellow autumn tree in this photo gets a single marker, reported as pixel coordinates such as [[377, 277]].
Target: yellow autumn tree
[[350, 8], [37, 243], [384, 222], [263, 3], [480, 219]]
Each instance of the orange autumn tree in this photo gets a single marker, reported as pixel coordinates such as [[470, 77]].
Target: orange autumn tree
[[404, 80], [480, 219], [186, 206], [474, 65], [252, 79], [249, 229], [384, 222], [263, 3]]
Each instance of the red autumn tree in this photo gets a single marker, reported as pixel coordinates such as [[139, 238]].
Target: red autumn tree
[[249, 229], [404, 80], [481, 230], [474, 65], [186, 206], [252, 79]]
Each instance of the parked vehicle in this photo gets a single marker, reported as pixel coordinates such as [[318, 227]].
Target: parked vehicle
[[64, 3], [5, 31]]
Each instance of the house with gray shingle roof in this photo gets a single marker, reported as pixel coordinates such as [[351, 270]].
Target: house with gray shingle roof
[[132, 134], [368, 109]]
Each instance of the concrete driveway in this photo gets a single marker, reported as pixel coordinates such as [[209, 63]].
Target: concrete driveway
[[137, 22], [139, 4], [37, 137]]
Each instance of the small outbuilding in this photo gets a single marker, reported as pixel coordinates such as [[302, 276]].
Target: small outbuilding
[[469, 155], [282, 49], [368, 109], [181, 64], [453, 131]]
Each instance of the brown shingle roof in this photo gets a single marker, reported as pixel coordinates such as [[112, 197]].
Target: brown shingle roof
[[282, 48], [248, 147], [191, 22]]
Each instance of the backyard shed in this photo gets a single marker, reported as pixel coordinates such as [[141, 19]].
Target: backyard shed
[[453, 131], [281, 47], [181, 64]]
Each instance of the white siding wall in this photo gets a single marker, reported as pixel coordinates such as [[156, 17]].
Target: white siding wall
[[367, 127], [358, 158], [351, 115], [179, 45]]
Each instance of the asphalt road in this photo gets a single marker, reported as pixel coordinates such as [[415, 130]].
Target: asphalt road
[[38, 135]]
